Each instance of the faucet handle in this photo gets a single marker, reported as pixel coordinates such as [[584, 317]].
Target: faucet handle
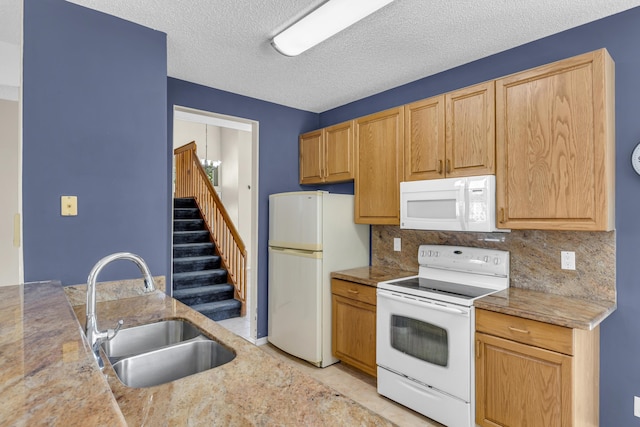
[[111, 333]]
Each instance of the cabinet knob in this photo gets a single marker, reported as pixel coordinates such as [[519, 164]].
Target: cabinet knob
[[501, 215], [448, 165], [440, 167], [522, 331], [351, 291]]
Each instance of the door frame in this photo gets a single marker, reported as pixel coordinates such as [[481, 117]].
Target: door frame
[[252, 261], [11, 88]]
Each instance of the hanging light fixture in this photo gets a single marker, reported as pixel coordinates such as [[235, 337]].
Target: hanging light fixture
[[327, 20]]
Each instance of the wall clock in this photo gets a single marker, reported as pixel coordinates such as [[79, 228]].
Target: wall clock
[[635, 159]]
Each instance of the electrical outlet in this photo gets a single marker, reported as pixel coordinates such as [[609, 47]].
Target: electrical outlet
[[568, 260], [636, 406], [397, 244]]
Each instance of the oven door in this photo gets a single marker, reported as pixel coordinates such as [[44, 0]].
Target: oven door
[[426, 340]]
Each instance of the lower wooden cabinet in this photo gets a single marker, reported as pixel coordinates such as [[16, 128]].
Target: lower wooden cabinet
[[354, 324], [530, 373]]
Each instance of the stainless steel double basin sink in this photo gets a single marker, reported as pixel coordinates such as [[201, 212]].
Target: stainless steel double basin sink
[[158, 353]]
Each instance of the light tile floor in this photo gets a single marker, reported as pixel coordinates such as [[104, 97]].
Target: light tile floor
[[350, 382], [357, 386], [239, 326]]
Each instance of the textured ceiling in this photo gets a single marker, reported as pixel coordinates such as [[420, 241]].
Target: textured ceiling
[[225, 43]]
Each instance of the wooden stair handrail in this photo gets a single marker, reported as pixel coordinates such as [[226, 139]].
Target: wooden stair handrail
[[192, 181], [187, 147]]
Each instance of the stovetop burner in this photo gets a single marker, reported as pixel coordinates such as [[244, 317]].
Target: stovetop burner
[[455, 274], [444, 288]]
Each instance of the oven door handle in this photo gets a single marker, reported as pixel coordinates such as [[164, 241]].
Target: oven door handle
[[422, 303]]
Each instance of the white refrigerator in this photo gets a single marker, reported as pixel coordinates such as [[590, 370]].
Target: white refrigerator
[[311, 234]]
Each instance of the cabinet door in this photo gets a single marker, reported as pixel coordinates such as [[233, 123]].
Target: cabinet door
[[555, 145], [521, 385], [338, 152], [470, 135], [424, 152], [311, 157], [354, 333], [379, 167]]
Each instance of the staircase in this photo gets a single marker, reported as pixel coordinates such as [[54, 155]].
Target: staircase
[[198, 279]]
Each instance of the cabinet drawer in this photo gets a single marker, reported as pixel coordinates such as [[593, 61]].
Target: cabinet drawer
[[356, 291], [531, 332]]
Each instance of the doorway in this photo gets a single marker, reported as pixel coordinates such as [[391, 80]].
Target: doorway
[[228, 147]]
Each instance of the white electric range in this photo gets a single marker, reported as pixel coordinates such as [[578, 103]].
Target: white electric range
[[425, 327]]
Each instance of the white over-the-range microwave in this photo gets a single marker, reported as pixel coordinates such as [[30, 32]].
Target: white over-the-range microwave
[[450, 204]]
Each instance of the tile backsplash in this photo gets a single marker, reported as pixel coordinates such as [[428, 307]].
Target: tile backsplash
[[535, 256]]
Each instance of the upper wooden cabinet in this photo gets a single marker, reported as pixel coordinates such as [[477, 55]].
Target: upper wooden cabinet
[[555, 145], [451, 135], [311, 157], [326, 155], [424, 129], [379, 167]]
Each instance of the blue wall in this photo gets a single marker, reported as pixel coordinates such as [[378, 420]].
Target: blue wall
[[94, 126], [620, 34]]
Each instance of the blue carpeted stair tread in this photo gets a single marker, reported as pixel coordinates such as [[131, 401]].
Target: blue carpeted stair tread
[[210, 289], [186, 213], [196, 263], [193, 245], [188, 224], [184, 203], [204, 273], [184, 250], [188, 232], [219, 310], [204, 294], [196, 258], [200, 236], [193, 279]]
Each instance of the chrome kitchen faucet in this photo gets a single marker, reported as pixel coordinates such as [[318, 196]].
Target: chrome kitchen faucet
[[94, 335]]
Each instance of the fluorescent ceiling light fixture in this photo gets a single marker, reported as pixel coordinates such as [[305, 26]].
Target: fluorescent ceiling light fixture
[[327, 20]]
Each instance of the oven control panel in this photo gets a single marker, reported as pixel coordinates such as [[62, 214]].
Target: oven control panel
[[474, 260]]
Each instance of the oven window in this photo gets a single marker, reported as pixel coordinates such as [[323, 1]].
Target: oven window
[[420, 339]]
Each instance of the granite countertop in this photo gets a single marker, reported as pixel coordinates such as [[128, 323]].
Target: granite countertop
[[545, 307], [371, 275], [49, 376], [559, 310]]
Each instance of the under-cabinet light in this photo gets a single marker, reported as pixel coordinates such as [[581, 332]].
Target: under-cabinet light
[[327, 20]]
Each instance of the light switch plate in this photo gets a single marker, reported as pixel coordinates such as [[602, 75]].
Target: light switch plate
[[636, 406], [69, 205], [397, 244]]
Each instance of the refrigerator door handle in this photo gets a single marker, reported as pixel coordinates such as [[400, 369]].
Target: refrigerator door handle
[[292, 251], [297, 252]]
